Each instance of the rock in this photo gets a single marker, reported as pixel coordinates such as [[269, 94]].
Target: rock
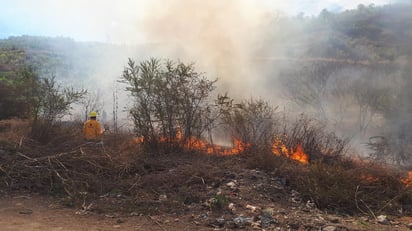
[[310, 204], [26, 211], [295, 197], [267, 221], [241, 222], [162, 197], [409, 226], [231, 207], [119, 221], [232, 185], [266, 218], [135, 214], [294, 225], [333, 219], [219, 223], [329, 228], [268, 212], [382, 219], [252, 208]]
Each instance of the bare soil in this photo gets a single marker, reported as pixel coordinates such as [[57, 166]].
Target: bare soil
[[245, 209], [36, 212]]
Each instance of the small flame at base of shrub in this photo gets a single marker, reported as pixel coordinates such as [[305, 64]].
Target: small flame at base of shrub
[[408, 181], [298, 154], [278, 148]]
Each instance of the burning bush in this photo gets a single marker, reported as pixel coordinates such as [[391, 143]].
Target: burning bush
[[308, 139], [352, 187], [251, 121], [167, 99]]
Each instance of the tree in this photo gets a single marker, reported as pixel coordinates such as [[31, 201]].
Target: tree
[[49, 104], [92, 102], [16, 93], [169, 99]]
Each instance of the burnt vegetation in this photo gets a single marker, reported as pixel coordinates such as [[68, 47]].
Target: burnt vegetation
[[171, 159]]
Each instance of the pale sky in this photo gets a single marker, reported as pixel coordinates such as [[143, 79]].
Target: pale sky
[[119, 21]]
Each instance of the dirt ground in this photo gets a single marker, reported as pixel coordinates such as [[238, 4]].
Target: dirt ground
[[37, 212], [34, 212]]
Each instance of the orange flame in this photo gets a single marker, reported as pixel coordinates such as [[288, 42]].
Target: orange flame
[[138, 140], [407, 181], [298, 154], [193, 143], [238, 147]]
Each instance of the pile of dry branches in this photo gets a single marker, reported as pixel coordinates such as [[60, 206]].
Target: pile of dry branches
[[82, 168]]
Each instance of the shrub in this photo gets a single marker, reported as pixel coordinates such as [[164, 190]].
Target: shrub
[[168, 99], [351, 187], [250, 121], [50, 103]]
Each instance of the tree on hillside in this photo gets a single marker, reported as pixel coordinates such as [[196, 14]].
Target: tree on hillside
[[169, 98], [16, 93]]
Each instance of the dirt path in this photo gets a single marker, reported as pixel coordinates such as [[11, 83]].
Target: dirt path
[[32, 213]]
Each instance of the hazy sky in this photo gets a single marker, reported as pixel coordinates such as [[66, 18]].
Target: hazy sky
[[120, 21]]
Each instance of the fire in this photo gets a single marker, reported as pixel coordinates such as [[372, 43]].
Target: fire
[[138, 140], [193, 143], [238, 147], [408, 181], [298, 154]]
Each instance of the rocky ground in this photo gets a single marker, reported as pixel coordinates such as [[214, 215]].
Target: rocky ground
[[244, 199]]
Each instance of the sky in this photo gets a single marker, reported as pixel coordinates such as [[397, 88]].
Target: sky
[[122, 21]]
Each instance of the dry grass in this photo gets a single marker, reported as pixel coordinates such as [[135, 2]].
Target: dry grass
[[69, 168], [351, 187], [12, 130]]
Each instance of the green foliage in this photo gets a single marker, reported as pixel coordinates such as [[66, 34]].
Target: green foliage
[[50, 103], [17, 93], [218, 201], [168, 99]]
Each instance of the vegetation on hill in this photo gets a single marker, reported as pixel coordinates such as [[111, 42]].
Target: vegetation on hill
[[348, 69]]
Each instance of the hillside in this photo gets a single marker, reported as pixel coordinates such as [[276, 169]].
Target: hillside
[[345, 78]]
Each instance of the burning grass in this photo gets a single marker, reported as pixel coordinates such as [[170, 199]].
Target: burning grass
[[121, 170], [352, 187]]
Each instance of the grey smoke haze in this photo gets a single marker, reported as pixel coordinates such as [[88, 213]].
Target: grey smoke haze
[[226, 39], [221, 37], [246, 44]]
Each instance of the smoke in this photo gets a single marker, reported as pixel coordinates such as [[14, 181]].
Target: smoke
[[221, 37], [246, 44]]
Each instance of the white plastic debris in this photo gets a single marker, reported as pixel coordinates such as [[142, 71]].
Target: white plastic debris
[[252, 208], [231, 185], [382, 219]]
